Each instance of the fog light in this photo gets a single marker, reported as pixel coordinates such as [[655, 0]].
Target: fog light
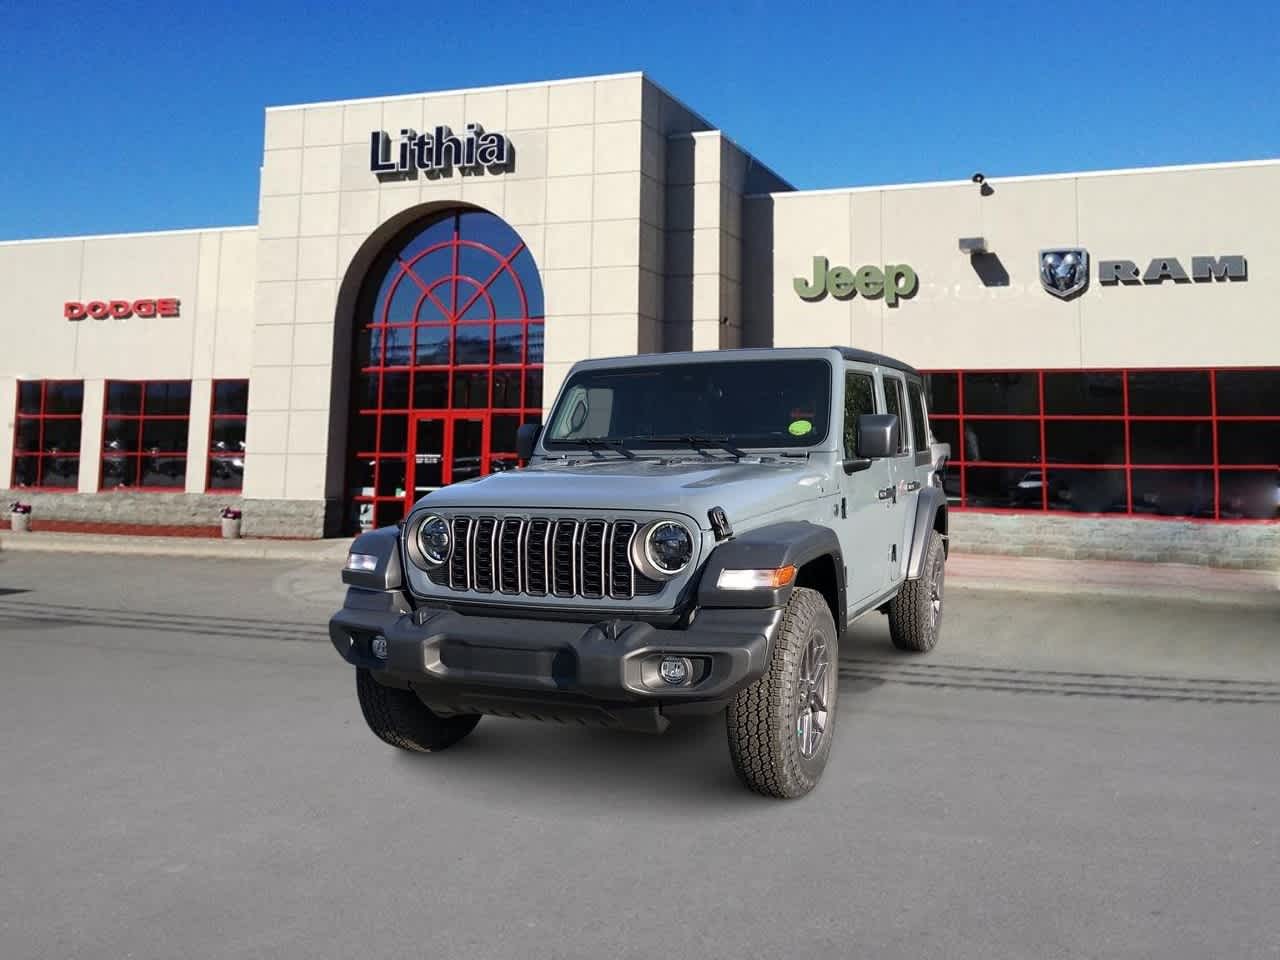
[[379, 646], [362, 563], [675, 670]]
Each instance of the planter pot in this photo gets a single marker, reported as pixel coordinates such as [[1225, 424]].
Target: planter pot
[[20, 522], [230, 529]]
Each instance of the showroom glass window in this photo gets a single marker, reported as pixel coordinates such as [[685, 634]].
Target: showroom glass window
[[1194, 443], [144, 434], [228, 415], [450, 323], [46, 450]]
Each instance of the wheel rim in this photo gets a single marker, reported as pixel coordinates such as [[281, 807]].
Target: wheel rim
[[936, 574], [814, 695]]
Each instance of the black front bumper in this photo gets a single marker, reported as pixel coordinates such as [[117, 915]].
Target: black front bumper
[[550, 669]]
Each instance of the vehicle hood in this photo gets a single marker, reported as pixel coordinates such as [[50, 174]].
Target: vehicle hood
[[691, 486]]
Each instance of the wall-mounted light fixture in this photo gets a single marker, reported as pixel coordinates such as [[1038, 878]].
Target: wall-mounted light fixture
[[973, 245]]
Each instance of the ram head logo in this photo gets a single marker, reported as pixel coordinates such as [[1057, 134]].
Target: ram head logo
[[1064, 272]]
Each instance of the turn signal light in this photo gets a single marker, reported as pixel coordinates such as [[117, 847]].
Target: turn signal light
[[756, 579]]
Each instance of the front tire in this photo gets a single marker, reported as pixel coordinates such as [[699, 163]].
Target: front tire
[[915, 614], [399, 718], [781, 727]]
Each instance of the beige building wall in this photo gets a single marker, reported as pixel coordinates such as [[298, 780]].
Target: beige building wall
[[958, 320], [210, 271]]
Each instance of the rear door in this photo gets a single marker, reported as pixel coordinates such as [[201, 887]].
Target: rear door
[[867, 521], [901, 473]]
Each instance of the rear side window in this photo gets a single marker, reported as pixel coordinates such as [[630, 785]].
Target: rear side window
[[895, 404], [859, 398], [917, 417]]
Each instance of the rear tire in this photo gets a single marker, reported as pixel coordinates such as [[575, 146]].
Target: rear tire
[[915, 614], [399, 718], [781, 727]]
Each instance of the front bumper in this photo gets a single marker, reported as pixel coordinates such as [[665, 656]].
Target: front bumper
[[549, 669]]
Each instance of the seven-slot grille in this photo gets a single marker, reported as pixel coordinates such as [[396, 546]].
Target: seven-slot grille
[[540, 557]]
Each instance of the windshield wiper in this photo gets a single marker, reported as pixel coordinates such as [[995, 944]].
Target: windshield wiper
[[604, 443], [697, 441]]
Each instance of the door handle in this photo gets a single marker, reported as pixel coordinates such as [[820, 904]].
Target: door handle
[[886, 493], [913, 486]]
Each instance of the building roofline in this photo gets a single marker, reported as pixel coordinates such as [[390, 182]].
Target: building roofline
[[1079, 175], [464, 90], [134, 233]]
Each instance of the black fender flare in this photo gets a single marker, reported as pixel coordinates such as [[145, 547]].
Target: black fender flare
[[794, 543], [929, 504]]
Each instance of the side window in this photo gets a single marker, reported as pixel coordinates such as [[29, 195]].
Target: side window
[[859, 398], [894, 404], [917, 417]]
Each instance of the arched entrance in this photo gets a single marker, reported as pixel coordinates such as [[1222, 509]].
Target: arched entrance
[[447, 361]]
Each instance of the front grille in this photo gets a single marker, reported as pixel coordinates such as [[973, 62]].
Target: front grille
[[539, 557]]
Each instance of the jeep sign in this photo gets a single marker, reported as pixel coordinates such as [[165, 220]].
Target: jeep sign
[[892, 281]]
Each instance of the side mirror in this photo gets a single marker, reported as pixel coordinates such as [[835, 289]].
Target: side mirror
[[527, 439], [877, 435]]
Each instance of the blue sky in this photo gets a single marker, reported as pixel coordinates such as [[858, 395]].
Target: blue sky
[[147, 115]]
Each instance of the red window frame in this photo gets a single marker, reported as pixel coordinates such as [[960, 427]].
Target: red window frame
[[41, 418], [141, 419], [960, 462], [460, 295], [214, 416]]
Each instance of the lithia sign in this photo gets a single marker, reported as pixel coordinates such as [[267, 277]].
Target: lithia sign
[[439, 151]]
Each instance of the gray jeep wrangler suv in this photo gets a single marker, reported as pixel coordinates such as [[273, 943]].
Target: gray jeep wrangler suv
[[692, 532]]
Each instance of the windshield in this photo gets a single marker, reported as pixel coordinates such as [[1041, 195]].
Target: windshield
[[752, 403]]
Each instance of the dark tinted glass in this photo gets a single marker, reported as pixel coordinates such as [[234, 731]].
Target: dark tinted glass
[[919, 429], [167, 436], [395, 391], [1169, 393], [502, 433], [29, 396], [1088, 393], [395, 433], [506, 388], [1002, 392], [1249, 393], [167, 398], [364, 433], [1173, 493], [399, 346], [118, 471], [226, 473], [535, 343], [782, 403], [433, 346], [365, 390], [1243, 441], [430, 390], [391, 477], [64, 397], [120, 435], [471, 389], [1002, 441], [164, 471], [943, 391], [508, 344], [471, 343], [533, 388], [1177, 441], [1084, 441], [26, 471], [1001, 487], [124, 398], [227, 436], [27, 436], [231, 397], [895, 403], [948, 431], [62, 436], [61, 472], [1088, 491], [1250, 494], [859, 398]]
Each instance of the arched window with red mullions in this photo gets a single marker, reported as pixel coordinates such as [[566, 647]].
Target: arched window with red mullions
[[447, 362]]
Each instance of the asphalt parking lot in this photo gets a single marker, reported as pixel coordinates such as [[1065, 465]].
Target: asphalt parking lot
[[184, 773]]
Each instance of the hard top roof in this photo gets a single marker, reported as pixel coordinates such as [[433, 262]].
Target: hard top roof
[[747, 353]]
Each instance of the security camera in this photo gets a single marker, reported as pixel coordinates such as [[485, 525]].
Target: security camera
[[978, 178]]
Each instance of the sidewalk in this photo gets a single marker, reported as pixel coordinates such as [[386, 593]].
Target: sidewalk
[[973, 571]]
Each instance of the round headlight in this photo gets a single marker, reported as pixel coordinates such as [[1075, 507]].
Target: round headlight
[[668, 547], [435, 540]]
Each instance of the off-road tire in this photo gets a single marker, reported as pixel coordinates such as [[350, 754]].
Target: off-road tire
[[762, 719], [913, 624], [399, 718]]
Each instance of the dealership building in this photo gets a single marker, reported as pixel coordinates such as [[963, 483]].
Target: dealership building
[[1102, 348]]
